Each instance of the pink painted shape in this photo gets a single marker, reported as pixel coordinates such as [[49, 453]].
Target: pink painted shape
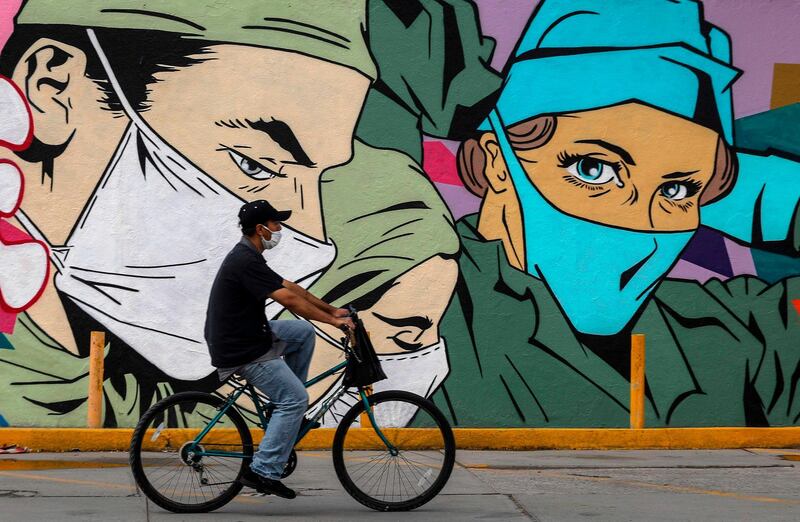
[[8, 10], [439, 163], [686, 270]]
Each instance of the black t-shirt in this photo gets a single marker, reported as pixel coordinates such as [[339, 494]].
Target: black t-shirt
[[237, 331]]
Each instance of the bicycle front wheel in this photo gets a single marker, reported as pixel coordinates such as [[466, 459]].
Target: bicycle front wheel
[[408, 471], [175, 472]]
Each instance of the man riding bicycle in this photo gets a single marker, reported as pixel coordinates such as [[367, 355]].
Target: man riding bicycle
[[273, 356]]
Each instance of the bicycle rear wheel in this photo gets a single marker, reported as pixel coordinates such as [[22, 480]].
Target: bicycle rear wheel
[[165, 462], [412, 471]]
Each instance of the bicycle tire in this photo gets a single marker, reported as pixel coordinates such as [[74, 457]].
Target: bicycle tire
[[449, 451], [135, 455]]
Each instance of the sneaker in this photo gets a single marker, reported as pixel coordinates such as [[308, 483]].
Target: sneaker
[[251, 479], [312, 425]]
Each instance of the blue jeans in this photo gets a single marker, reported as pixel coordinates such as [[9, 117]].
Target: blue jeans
[[282, 381]]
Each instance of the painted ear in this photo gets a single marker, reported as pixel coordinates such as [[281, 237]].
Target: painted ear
[[50, 73], [495, 170]]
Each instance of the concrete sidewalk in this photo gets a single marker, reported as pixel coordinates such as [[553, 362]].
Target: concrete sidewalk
[[542, 485]]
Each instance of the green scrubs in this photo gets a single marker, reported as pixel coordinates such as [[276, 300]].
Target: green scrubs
[[718, 354]]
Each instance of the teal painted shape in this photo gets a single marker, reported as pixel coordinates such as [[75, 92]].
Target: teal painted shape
[[774, 267], [775, 131], [5, 344], [767, 191]]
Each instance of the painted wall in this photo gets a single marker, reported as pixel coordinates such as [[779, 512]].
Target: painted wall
[[636, 171]]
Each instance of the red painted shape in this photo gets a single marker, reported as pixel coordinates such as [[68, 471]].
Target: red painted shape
[[11, 234], [7, 322], [439, 163], [796, 303]]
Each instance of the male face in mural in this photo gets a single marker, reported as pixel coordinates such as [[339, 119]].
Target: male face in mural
[[262, 120], [387, 232], [591, 191]]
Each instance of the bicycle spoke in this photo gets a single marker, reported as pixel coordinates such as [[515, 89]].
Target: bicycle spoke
[[369, 471]]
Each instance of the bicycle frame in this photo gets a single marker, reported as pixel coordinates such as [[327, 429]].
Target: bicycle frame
[[262, 414]]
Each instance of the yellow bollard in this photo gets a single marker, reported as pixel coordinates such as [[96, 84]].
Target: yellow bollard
[[637, 381], [95, 400]]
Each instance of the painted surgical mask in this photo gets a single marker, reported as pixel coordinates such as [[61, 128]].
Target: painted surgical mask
[[600, 275], [133, 261], [420, 372]]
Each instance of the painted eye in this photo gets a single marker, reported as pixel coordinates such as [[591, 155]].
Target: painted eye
[[675, 191], [251, 168], [592, 171]]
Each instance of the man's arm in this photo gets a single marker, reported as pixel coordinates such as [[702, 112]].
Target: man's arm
[[314, 300], [308, 309]]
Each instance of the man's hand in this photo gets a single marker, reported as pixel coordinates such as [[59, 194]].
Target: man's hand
[[341, 312], [340, 322]]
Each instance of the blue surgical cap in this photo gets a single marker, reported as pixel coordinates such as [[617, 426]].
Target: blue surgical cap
[[587, 54]]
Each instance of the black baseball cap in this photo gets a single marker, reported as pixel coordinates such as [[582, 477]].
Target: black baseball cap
[[259, 212]]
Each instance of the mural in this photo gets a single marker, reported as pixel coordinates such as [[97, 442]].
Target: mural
[[506, 191]]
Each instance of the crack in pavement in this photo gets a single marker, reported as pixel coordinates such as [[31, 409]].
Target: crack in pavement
[[522, 509], [18, 493], [517, 504]]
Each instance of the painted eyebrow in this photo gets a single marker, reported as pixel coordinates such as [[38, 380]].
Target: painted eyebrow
[[282, 134], [679, 175], [417, 321], [626, 157]]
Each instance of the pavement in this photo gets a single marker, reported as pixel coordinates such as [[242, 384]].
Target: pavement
[[656, 485]]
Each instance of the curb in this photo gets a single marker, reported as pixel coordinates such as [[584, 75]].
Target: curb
[[118, 439]]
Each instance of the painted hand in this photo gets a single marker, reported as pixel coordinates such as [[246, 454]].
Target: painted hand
[[23, 261]]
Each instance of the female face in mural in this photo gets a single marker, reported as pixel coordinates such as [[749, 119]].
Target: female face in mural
[[628, 180], [651, 173]]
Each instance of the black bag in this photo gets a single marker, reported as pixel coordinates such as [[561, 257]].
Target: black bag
[[363, 369]]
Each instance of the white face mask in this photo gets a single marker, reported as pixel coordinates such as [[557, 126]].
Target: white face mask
[[133, 261], [272, 242], [420, 372]]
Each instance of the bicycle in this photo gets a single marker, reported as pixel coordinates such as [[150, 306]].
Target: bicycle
[[189, 449]]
